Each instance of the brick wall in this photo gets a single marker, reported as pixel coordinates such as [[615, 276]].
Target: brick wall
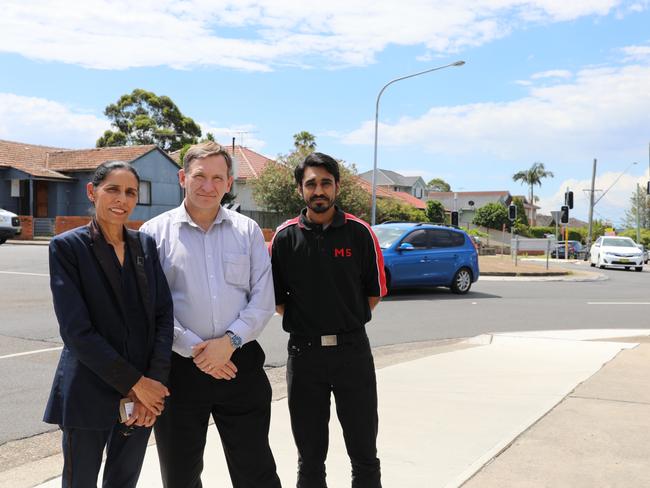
[[66, 223], [27, 224], [268, 234]]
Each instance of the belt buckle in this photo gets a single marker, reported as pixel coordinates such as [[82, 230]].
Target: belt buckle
[[328, 340]]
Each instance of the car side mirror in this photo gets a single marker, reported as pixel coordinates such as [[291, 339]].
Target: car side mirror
[[405, 246]]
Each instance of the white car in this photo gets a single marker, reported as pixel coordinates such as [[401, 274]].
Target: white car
[[9, 225], [616, 251]]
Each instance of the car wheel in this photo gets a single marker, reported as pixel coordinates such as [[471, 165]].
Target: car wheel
[[462, 281], [627, 268], [638, 268], [592, 264], [3, 240], [600, 264]]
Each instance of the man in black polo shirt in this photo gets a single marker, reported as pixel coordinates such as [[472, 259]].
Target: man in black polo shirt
[[328, 272]]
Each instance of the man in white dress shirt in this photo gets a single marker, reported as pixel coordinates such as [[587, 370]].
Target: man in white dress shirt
[[219, 273]]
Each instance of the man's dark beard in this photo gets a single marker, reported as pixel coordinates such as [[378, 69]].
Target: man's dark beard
[[322, 207]]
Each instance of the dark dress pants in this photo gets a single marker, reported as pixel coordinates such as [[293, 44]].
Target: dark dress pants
[[83, 450], [348, 371], [241, 409]]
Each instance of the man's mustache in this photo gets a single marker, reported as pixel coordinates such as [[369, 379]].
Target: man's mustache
[[313, 199]]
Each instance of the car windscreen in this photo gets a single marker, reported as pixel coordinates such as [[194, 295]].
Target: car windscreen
[[387, 235], [618, 242]]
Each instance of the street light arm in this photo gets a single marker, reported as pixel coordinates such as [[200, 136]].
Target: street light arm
[[373, 209]]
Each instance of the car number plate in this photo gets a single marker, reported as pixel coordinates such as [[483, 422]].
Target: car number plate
[[624, 260]]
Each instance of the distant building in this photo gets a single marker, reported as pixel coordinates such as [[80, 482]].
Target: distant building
[[393, 181], [530, 209], [466, 203]]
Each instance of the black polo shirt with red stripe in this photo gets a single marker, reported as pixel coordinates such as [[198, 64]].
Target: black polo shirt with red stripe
[[324, 276]]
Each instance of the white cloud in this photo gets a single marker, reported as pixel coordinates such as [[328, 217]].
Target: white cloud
[[46, 122], [637, 53], [604, 112], [611, 207], [261, 34], [554, 73]]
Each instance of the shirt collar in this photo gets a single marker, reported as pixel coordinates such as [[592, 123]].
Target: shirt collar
[[338, 221], [181, 216]]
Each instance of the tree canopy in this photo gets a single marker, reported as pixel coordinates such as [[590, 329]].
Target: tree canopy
[[532, 177], [142, 117], [492, 215], [438, 184], [435, 212]]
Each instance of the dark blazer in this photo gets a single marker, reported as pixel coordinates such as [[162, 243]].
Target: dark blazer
[[93, 374]]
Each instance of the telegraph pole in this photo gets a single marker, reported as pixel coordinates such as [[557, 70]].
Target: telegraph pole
[[591, 205]]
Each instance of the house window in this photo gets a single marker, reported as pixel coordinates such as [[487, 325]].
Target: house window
[[144, 193]]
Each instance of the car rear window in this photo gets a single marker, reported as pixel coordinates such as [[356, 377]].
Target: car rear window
[[446, 238]]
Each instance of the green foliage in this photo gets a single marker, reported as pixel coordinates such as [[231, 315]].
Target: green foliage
[[352, 197], [391, 209], [304, 141], [435, 211], [492, 215], [275, 190], [438, 184], [522, 218], [645, 236], [541, 232], [142, 117]]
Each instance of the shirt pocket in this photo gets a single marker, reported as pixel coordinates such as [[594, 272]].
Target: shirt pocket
[[237, 268]]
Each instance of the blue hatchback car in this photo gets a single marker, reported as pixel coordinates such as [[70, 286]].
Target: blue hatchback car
[[427, 255]]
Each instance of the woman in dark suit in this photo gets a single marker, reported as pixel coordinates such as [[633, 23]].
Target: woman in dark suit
[[115, 316]]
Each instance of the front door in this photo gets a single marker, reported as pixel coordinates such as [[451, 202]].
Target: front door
[[41, 199]]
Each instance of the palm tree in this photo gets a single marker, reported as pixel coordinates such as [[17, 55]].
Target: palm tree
[[531, 177], [304, 140]]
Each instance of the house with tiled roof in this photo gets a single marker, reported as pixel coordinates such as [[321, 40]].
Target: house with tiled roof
[[247, 166], [393, 181], [400, 196], [46, 182]]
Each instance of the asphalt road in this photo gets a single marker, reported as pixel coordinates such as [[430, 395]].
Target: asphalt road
[[28, 324]]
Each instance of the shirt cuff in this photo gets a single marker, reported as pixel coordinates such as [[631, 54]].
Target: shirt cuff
[[183, 343], [240, 328]]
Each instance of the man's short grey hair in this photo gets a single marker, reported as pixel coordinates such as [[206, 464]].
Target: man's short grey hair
[[205, 149]]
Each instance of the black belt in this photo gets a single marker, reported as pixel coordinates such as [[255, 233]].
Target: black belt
[[354, 337]]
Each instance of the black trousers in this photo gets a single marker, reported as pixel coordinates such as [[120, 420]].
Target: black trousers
[[82, 456], [241, 409], [348, 371]]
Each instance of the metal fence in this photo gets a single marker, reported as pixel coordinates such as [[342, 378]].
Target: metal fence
[[267, 220], [43, 227], [522, 244]]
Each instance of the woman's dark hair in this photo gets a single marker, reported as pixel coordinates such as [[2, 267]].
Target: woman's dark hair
[[317, 159], [104, 169]]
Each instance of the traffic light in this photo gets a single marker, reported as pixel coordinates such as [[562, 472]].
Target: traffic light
[[564, 214], [454, 219], [512, 212], [568, 199]]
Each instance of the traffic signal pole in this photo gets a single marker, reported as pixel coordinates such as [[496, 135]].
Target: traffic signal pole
[[591, 206]]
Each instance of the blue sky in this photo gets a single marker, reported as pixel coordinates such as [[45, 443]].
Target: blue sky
[[545, 80]]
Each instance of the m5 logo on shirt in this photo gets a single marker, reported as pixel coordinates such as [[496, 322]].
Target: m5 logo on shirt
[[342, 252]]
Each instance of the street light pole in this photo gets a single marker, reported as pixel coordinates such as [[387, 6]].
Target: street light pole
[[374, 166]]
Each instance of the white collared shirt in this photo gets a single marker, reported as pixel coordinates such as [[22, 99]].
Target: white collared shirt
[[220, 279]]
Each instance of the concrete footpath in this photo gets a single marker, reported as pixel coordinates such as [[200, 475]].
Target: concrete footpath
[[544, 409]]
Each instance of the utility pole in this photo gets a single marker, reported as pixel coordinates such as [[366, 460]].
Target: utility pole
[[638, 213], [591, 205]]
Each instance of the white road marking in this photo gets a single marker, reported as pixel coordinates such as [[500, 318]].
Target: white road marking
[[618, 303], [26, 353], [26, 274]]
